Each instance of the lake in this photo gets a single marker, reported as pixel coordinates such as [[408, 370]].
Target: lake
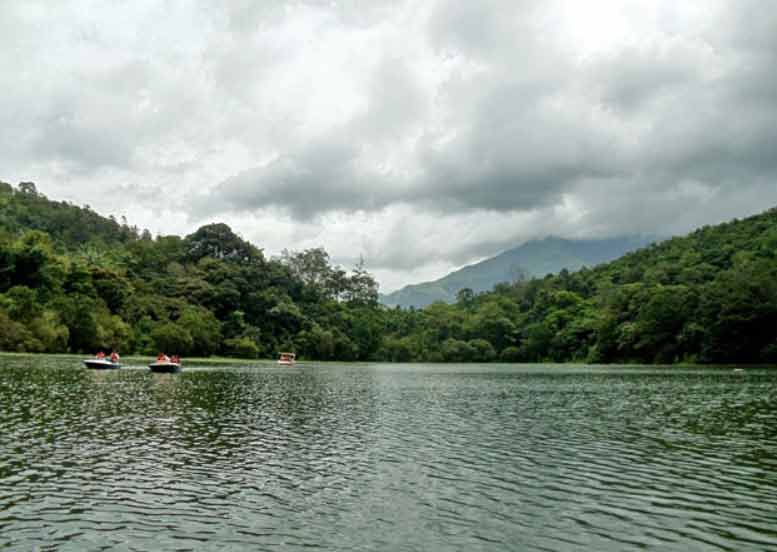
[[386, 457]]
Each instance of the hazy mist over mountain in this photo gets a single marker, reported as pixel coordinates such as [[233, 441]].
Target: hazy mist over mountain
[[532, 259]]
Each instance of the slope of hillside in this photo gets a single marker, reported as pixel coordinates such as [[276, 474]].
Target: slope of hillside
[[74, 281], [66, 224], [532, 259], [708, 297]]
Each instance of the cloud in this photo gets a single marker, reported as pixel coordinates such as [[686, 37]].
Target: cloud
[[318, 178], [423, 135], [511, 122]]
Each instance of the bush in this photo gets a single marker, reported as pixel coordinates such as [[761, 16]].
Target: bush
[[52, 334], [242, 347], [16, 337], [510, 354], [483, 350], [455, 350], [172, 339]]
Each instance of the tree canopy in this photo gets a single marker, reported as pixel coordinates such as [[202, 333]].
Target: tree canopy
[[72, 280]]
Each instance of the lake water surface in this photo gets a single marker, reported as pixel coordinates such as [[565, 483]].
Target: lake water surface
[[386, 457]]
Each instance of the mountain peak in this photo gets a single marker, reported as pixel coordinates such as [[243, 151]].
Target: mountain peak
[[535, 258]]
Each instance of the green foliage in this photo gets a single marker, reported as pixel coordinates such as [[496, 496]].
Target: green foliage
[[49, 330], [317, 343], [483, 350], [71, 280], [510, 354], [455, 350], [15, 336], [708, 297], [241, 347], [112, 332], [219, 242], [111, 286], [172, 339], [204, 329], [21, 302], [79, 314], [399, 349]]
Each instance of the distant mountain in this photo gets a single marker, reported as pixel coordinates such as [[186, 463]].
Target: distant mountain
[[532, 259]]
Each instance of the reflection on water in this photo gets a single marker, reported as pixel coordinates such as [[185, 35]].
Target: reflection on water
[[381, 457]]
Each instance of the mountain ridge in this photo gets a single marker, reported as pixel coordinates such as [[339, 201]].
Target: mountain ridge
[[534, 258]]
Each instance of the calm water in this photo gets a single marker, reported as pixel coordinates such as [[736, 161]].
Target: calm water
[[386, 457]]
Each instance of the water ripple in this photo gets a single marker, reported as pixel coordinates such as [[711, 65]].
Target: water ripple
[[386, 458]]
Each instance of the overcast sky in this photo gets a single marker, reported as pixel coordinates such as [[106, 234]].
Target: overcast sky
[[421, 135]]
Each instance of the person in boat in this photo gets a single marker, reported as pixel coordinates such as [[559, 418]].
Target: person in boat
[[161, 357], [175, 359], [100, 355], [114, 357]]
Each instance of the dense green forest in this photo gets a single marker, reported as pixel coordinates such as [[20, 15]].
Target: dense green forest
[[72, 280]]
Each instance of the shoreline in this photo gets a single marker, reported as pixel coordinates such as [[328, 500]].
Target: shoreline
[[140, 360]]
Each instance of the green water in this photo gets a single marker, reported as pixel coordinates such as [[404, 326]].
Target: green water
[[386, 457]]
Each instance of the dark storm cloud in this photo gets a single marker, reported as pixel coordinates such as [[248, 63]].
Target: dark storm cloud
[[318, 178], [88, 142], [531, 124], [512, 146], [341, 171], [521, 151], [630, 79]]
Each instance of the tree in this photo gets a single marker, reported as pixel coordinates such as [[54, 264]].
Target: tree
[[50, 332], [112, 332], [23, 305], [32, 255], [220, 242], [7, 267], [317, 343], [739, 312], [15, 336], [111, 287], [78, 313], [465, 297], [73, 280], [241, 347], [171, 338], [483, 350], [398, 349], [491, 323], [311, 267], [204, 329], [28, 188], [455, 350], [536, 342], [361, 288], [660, 322], [510, 354]]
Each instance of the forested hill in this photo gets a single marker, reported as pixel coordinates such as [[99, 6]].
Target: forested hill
[[67, 224], [71, 280], [532, 259], [707, 297]]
